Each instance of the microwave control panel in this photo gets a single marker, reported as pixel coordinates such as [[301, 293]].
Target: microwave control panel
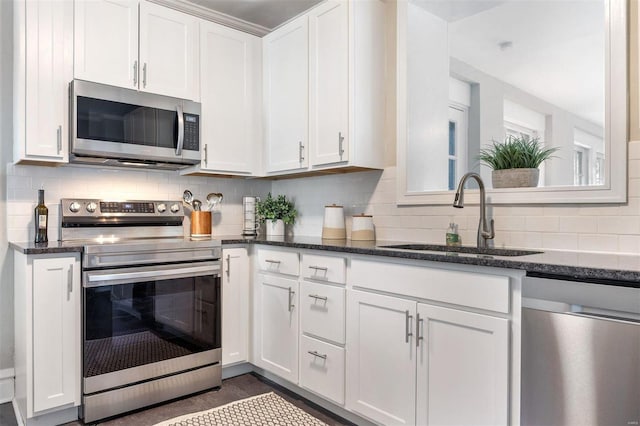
[[191, 132]]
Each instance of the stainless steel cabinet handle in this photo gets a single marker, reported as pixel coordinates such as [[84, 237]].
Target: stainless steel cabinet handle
[[144, 75], [316, 354], [135, 73], [180, 143], [206, 154], [291, 294], [70, 282], [315, 296], [301, 151], [319, 268], [340, 146], [228, 271], [418, 336], [407, 332], [272, 261], [59, 138]]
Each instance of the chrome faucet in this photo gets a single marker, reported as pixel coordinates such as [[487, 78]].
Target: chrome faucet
[[484, 231]]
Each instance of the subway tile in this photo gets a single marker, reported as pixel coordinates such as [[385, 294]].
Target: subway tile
[[618, 225], [577, 224], [541, 224], [560, 241], [598, 243]]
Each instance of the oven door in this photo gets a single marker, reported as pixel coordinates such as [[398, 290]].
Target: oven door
[[146, 322]]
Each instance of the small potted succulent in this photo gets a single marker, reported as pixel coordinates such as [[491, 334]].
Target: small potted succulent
[[515, 161], [275, 212]]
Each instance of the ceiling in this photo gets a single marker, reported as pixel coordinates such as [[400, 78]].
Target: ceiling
[[265, 13]]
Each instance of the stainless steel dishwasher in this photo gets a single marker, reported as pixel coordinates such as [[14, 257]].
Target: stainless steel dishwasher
[[580, 354]]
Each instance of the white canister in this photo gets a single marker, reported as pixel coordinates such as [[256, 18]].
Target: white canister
[[362, 228], [333, 227]]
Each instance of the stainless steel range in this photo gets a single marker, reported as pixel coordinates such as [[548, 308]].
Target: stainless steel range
[[151, 304]]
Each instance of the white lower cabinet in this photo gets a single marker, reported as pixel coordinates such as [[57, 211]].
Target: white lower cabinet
[[381, 358], [463, 368], [235, 306], [276, 326], [47, 336], [322, 368], [415, 363]]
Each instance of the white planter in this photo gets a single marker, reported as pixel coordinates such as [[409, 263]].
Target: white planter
[[275, 228]]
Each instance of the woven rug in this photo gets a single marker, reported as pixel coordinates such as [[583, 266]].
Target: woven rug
[[266, 409]]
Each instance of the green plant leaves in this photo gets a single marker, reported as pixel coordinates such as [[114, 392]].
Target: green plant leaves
[[516, 153], [276, 208]]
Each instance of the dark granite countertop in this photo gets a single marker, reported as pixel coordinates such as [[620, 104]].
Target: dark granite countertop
[[603, 268]]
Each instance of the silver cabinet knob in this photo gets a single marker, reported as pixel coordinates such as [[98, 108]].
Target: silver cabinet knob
[[74, 207], [162, 207], [91, 207]]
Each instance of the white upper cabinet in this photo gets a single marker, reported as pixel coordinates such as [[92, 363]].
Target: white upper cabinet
[[43, 59], [230, 93], [329, 82], [168, 51], [286, 96], [106, 42], [324, 86], [137, 45]]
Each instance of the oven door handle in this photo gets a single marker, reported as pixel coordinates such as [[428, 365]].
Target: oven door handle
[[98, 279]]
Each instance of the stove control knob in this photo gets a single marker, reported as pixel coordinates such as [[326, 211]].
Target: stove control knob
[[91, 207], [162, 207], [175, 208], [74, 207]]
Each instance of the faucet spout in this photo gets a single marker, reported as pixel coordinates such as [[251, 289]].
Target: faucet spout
[[485, 230]]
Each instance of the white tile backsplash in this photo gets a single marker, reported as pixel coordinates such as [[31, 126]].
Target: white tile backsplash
[[614, 228], [117, 184]]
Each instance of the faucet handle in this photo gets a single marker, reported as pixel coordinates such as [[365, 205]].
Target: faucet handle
[[492, 232]]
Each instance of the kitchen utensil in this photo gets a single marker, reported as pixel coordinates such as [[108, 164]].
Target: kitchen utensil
[[187, 197], [333, 227], [213, 199], [251, 226], [197, 205], [362, 228]]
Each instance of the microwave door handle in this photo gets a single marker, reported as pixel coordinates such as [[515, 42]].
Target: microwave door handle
[[180, 130]]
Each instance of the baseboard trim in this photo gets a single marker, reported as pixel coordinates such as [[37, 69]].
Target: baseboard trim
[[6, 385], [236, 370], [16, 411]]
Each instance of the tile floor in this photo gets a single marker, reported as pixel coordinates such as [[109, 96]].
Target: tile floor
[[232, 390]]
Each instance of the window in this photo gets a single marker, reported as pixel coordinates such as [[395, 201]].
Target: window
[[580, 164], [458, 131]]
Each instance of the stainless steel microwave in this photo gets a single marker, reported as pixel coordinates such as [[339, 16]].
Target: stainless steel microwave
[[123, 127]]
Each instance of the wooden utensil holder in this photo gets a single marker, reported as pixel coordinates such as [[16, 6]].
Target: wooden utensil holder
[[200, 224]]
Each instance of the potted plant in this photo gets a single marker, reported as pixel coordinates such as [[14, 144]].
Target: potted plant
[[515, 161], [275, 213]]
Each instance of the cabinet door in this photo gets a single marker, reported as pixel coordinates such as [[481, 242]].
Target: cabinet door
[[278, 326], [235, 306], [49, 69], [286, 86], [381, 350], [329, 83], [463, 368], [106, 42], [56, 332], [168, 51], [230, 94]]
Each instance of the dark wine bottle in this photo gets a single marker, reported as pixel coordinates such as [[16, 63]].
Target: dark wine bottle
[[41, 219]]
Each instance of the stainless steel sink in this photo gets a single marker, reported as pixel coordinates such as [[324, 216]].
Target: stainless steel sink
[[461, 249]]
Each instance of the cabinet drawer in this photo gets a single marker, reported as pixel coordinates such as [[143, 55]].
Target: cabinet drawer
[[322, 369], [323, 268], [475, 290], [281, 262], [322, 311]]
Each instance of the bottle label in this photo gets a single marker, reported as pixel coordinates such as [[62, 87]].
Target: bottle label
[[452, 239], [42, 221]]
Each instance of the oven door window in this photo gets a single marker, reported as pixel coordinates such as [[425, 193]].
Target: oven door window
[[128, 325]]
